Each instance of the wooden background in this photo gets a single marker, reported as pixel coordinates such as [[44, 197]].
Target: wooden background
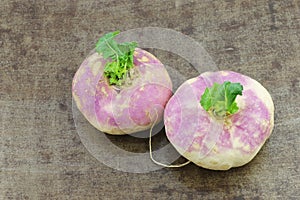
[[42, 43]]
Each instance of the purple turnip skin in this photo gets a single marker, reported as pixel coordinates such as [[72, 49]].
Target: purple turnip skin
[[213, 143], [125, 111]]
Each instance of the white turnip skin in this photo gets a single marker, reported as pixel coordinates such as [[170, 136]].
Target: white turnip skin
[[215, 143], [132, 108]]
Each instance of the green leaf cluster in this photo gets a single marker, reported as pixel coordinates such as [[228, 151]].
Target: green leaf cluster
[[220, 98], [121, 55]]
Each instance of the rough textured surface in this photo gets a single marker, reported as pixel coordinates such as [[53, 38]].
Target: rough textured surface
[[44, 42]]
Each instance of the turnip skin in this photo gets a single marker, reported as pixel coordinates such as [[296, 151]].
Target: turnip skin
[[188, 125], [129, 110]]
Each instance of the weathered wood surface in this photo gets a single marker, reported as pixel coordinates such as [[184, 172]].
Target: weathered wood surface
[[42, 44]]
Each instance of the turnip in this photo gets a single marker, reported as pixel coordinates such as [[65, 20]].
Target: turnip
[[118, 87], [219, 120]]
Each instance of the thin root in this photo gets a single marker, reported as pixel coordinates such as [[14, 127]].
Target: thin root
[[150, 150]]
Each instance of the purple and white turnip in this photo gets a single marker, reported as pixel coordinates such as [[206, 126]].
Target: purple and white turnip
[[115, 97], [214, 139]]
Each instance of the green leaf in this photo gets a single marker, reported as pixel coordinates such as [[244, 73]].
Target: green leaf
[[206, 99], [121, 56], [220, 98], [127, 46]]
